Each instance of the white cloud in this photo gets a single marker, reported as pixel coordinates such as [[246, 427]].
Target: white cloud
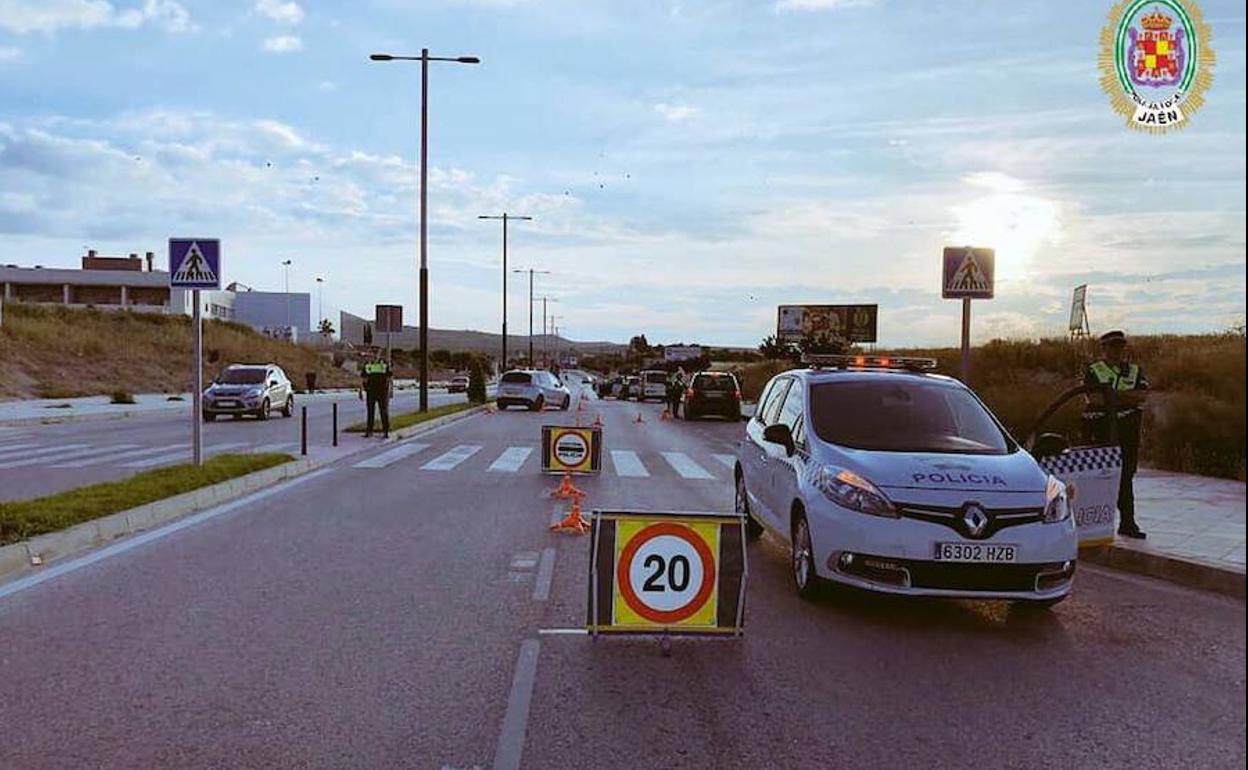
[[9, 54], [283, 44], [279, 11], [327, 85], [675, 113], [818, 5], [25, 16]]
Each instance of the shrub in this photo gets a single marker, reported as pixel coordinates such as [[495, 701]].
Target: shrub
[[476, 382], [122, 397]]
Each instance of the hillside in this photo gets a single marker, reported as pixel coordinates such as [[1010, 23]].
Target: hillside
[[58, 352]]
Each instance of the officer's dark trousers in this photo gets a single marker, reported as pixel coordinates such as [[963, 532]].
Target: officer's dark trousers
[[378, 402], [673, 403], [1126, 483]]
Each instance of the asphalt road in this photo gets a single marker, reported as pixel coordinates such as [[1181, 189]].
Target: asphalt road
[[40, 459], [393, 616]]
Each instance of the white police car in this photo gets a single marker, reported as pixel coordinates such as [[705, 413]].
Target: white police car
[[886, 477]]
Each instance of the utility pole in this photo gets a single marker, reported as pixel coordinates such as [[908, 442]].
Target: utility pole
[[531, 273], [505, 217]]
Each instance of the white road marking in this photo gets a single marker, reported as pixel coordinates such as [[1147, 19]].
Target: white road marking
[[391, 456], [545, 575], [516, 719], [452, 458], [685, 466], [130, 455], [728, 461], [627, 463], [183, 455], [562, 631], [55, 571], [8, 455], [69, 455], [278, 447], [511, 459]]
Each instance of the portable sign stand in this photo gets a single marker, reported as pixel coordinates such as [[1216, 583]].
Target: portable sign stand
[[195, 264], [667, 573], [967, 275], [389, 319], [568, 449]]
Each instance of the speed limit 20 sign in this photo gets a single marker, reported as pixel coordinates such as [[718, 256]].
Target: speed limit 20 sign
[[671, 572], [567, 449]]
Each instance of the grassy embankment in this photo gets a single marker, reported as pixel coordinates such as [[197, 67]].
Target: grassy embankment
[[22, 519], [58, 352], [1195, 419]]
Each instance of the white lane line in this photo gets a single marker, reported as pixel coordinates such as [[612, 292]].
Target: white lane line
[[627, 463], [279, 447], [130, 455], [7, 449], [44, 451], [728, 461], [391, 456], [685, 466], [562, 631], [70, 455], [452, 458], [545, 575], [511, 459], [516, 719], [55, 571], [183, 455]]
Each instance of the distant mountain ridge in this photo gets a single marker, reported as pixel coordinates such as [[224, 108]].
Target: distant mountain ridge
[[351, 329]]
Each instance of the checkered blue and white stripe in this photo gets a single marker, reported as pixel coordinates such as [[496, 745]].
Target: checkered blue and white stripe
[[1082, 460]]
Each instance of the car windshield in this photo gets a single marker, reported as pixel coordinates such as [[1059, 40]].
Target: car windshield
[[517, 378], [905, 416], [242, 377], [714, 382], [656, 378]]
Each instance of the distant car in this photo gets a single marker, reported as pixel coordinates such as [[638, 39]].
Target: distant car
[[888, 478], [254, 389], [532, 388], [712, 393], [630, 388], [459, 384], [653, 385]]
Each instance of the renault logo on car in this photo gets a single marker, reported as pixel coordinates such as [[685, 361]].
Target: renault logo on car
[[975, 519]]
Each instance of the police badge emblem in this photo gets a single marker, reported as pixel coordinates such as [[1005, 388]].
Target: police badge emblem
[[1156, 62]]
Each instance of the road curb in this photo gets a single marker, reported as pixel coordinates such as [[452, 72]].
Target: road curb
[[34, 552], [1186, 572]]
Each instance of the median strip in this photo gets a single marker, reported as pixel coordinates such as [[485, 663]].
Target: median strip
[[408, 419]]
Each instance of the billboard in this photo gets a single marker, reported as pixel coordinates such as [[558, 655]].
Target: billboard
[[682, 352], [1079, 309], [853, 323], [389, 318]]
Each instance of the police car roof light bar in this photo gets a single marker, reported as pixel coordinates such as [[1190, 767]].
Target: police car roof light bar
[[836, 361]]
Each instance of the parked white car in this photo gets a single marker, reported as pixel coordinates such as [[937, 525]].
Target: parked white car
[[532, 388]]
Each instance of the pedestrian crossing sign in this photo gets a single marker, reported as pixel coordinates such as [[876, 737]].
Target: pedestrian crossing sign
[[968, 273], [195, 263], [568, 449]]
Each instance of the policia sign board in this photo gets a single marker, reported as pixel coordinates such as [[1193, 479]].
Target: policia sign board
[[666, 572], [568, 449]]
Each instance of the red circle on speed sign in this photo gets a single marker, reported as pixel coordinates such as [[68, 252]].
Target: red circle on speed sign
[[624, 568]]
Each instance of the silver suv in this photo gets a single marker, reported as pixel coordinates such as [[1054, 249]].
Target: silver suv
[[254, 389], [532, 388]]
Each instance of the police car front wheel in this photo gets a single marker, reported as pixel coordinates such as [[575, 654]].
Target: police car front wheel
[[805, 579], [753, 530]]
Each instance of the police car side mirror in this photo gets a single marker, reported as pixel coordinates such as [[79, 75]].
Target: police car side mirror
[[780, 434]]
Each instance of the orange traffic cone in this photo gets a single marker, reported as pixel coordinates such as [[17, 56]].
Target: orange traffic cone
[[598, 420], [567, 488], [573, 521], [639, 419], [580, 404]]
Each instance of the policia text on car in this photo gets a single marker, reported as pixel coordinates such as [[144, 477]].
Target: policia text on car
[[1112, 372], [376, 379]]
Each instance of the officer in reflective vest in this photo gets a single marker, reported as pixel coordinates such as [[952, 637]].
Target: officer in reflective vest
[[1112, 372], [375, 379]]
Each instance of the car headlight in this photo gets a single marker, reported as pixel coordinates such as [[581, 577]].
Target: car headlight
[[849, 490], [1056, 506], [253, 392]]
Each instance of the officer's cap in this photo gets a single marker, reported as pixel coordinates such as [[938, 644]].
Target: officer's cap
[[1115, 337]]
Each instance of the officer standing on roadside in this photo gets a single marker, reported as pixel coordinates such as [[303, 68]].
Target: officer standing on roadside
[[675, 386], [376, 378], [1112, 372]]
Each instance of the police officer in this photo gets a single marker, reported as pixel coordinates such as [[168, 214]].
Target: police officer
[[376, 379], [675, 386], [1112, 372]]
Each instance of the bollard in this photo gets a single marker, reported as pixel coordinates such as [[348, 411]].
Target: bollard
[[335, 408], [303, 432]]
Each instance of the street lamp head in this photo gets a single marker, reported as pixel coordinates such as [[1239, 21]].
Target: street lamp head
[[381, 57], [468, 60]]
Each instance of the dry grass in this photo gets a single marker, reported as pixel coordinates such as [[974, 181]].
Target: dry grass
[[58, 352]]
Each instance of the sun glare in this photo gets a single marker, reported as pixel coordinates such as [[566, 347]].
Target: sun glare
[[1009, 219]]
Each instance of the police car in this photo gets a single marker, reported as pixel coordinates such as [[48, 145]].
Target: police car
[[887, 477]]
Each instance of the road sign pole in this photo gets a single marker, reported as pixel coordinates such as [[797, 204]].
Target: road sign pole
[[966, 340], [197, 401], [424, 229]]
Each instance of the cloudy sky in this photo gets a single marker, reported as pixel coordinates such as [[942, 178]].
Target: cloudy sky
[[690, 163]]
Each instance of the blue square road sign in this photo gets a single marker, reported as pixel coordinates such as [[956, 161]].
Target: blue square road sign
[[195, 263]]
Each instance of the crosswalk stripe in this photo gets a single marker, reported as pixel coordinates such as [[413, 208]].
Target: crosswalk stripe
[[47, 450], [13, 449], [71, 454], [685, 466], [627, 463], [451, 458], [728, 461], [130, 455], [391, 456], [182, 455], [511, 459]]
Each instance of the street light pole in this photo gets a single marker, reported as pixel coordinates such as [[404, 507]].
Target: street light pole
[[424, 60], [286, 264], [531, 273], [505, 217], [320, 301], [546, 332]]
